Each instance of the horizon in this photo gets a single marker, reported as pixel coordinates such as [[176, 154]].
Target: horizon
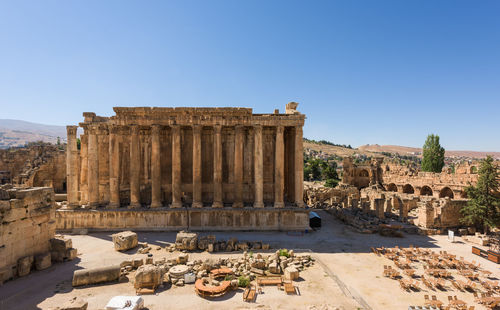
[[386, 73]]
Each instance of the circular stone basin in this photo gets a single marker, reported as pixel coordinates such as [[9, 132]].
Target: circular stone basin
[[178, 271]]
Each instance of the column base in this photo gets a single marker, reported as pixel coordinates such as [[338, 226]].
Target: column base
[[300, 204], [70, 207], [197, 204], [156, 205], [258, 205], [176, 205], [279, 205], [217, 204], [93, 205], [238, 204], [113, 205], [134, 205]]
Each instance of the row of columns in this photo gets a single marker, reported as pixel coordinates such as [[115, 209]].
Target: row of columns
[[156, 195]]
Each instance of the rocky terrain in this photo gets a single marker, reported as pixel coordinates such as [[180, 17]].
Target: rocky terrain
[[14, 133]]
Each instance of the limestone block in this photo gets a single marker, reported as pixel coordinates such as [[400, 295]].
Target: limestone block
[[96, 275], [182, 258], [136, 263], [186, 241], [291, 273], [274, 268], [147, 276], [43, 261], [60, 244], [125, 240], [24, 265], [4, 205]]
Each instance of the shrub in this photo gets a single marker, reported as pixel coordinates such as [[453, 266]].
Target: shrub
[[243, 281], [284, 252]]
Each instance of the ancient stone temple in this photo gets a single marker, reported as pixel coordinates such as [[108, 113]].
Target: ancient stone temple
[[191, 160]]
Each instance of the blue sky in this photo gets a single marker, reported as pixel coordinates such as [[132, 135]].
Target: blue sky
[[386, 72]]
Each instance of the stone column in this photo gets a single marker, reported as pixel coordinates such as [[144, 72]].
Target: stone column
[[114, 169], [72, 167], [238, 167], [279, 169], [93, 168], [217, 167], [156, 200], [299, 168], [197, 202], [258, 166], [176, 167], [84, 160], [135, 168]]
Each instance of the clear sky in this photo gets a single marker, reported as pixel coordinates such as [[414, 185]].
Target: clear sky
[[386, 72]]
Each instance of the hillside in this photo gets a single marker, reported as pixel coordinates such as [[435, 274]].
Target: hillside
[[17, 133], [405, 150]]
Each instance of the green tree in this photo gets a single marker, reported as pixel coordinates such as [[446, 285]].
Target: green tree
[[433, 154], [482, 210], [78, 143]]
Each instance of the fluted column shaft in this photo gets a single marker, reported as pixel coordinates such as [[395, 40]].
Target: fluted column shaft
[[279, 168], [299, 168], [197, 202], [258, 166], [176, 167], [217, 167], [114, 169], [238, 167], [135, 168], [156, 200], [93, 168], [72, 167]]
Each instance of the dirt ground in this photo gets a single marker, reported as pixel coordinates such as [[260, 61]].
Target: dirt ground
[[345, 274]]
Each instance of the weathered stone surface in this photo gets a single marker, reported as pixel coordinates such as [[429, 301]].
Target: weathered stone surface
[[43, 261], [24, 265], [291, 273], [186, 241], [148, 275], [125, 240], [96, 275]]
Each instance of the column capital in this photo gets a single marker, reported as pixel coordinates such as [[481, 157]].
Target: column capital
[[155, 129], [298, 128], [71, 130], [197, 128], [279, 129], [218, 128], [134, 129]]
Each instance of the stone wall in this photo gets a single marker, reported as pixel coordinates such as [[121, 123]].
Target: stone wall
[[165, 219], [439, 213], [27, 225], [37, 165]]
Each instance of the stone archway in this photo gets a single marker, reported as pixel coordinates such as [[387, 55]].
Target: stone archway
[[446, 192], [408, 189], [425, 191], [392, 187]]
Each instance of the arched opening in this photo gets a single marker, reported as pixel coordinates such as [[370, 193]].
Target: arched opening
[[363, 173], [446, 192], [408, 189], [425, 191], [387, 168], [392, 187]]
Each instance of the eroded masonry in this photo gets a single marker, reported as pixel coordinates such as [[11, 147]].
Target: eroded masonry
[[225, 168]]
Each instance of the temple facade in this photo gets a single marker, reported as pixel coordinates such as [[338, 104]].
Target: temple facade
[[169, 158]]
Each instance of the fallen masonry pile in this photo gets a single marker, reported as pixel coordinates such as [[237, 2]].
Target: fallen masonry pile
[[365, 222], [180, 270], [321, 197], [186, 241]]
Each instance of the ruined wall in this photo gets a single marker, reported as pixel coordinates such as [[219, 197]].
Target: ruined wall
[[439, 213], [38, 165], [27, 225]]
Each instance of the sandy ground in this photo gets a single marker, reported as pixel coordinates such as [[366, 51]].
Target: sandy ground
[[346, 273]]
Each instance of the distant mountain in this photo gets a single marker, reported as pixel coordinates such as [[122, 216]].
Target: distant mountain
[[405, 150], [17, 133]]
